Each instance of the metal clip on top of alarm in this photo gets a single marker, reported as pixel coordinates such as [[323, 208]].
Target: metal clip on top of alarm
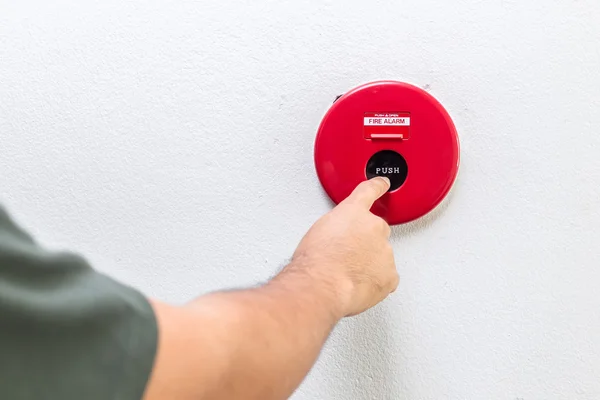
[[392, 129]]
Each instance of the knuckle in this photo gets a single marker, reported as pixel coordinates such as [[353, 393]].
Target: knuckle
[[385, 227], [364, 187], [394, 281], [388, 248], [381, 184], [375, 223], [373, 185], [384, 184]]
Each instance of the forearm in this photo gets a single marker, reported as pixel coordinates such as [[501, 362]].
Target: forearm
[[273, 334], [258, 343]]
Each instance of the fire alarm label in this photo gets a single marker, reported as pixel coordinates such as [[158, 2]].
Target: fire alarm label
[[387, 125]]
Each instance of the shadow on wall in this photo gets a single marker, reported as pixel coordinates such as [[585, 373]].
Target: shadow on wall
[[426, 221], [369, 358], [366, 355]]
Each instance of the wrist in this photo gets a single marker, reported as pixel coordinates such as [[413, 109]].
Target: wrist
[[317, 284]]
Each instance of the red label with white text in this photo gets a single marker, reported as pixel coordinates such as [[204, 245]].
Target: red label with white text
[[387, 125]]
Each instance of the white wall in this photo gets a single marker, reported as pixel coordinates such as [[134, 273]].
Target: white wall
[[171, 143]]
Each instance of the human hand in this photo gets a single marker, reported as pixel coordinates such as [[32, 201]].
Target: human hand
[[349, 248]]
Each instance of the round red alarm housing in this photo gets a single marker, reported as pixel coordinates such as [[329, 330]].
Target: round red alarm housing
[[391, 129]]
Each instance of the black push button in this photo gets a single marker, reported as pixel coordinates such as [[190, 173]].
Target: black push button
[[390, 164]]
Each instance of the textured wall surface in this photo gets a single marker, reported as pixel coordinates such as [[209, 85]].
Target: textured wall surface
[[171, 143]]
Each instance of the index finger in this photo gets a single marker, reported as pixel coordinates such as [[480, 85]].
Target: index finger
[[367, 192]]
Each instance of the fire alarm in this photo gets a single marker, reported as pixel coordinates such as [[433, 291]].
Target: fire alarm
[[391, 129]]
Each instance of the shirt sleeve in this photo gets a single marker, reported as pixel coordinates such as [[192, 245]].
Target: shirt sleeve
[[66, 331]]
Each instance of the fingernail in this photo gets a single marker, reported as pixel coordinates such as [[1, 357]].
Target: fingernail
[[385, 178]]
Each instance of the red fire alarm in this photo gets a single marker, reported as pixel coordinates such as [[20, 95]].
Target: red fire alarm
[[390, 129]]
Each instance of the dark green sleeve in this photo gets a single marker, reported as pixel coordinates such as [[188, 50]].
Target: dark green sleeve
[[68, 332]]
